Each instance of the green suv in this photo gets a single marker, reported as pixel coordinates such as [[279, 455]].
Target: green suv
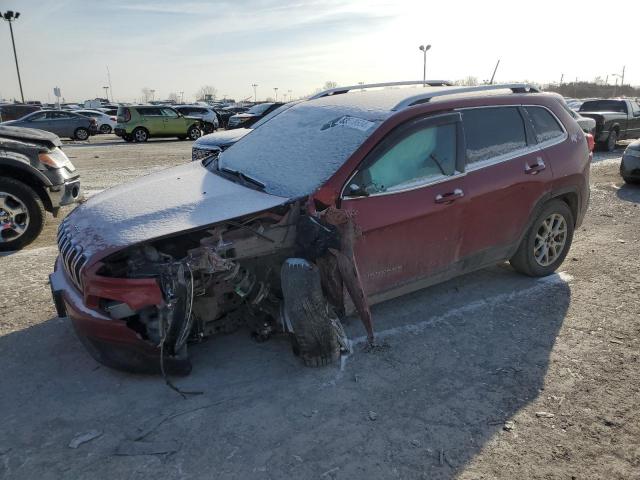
[[140, 122]]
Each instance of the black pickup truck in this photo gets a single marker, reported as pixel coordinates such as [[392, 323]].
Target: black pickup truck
[[35, 177], [616, 119]]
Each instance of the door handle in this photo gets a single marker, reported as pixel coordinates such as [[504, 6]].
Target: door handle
[[536, 167], [450, 196]]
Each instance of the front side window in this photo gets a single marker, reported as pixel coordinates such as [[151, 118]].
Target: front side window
[[492, 132], [150, 112], [419, 158], [544, 124], [169, 112]]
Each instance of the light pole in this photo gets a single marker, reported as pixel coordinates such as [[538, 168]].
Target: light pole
[[181, 97], [153, 94], [11, 17], [255, 95], [106, 92], [424, 64], [275, 89], [615, 87], [289, 92]]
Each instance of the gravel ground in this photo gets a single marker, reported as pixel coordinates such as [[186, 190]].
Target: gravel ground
[[491, 375]]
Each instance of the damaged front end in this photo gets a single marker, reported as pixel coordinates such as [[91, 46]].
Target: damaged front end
[[212, 281]]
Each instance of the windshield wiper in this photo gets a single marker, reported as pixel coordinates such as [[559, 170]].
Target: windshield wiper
[[245, 177]]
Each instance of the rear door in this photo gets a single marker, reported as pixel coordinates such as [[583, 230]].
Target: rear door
[[152, 120], [506, 175], [407, 197]]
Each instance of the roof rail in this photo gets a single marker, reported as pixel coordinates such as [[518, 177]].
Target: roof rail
[[427, 96], [339, 90]]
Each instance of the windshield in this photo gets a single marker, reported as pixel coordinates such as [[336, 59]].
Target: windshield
[[296, 151], [259, 109], [604, 106]]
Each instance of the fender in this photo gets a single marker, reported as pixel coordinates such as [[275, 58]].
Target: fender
[[21, 163]]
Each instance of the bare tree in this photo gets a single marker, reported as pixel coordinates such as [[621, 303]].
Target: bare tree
[[329, 84], [470, 80], [173, 97], [146, 93], [206, 92]]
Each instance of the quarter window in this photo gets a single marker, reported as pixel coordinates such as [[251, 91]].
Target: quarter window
[[544, 124], [419, 158], [491, 132]]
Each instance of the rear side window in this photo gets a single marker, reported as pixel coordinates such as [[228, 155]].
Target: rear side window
[[544, 124], [491, 132], [149, 111]]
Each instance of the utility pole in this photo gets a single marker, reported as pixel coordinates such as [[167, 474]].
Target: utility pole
[[181, 97], [275, 89], [561, 78], [109, 81], [494, 73], [255, 95], [289, 92], [11, 17], [153, 94], [106, 92], [424, 49]]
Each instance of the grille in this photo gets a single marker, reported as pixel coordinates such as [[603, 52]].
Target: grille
[[72, 257]]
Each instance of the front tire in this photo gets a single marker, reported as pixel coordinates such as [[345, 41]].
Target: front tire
[[140, 135], [547, 242], [105, 129], [194, 132], [81, 133], [315, 330], [22, 215]]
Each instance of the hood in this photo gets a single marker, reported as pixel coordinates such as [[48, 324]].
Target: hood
[[602, 114], [223, 138], [32, 135], [634, 145], [172, 201]]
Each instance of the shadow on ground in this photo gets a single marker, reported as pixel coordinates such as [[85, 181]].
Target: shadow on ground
[[629, 192], [461, 359]]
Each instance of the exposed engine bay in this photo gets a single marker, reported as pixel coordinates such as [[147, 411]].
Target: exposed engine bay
[[212, 281]]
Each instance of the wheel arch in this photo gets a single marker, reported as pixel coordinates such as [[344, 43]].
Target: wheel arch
[[36, 181]]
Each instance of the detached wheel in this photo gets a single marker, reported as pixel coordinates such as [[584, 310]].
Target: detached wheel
[[612, 140], [81, 133], [315, 336], [194, 132], [105, 128], [140, 134], [22, 214], [547, 242]]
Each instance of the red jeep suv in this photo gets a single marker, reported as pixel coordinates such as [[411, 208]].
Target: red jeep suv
[[350, 197]]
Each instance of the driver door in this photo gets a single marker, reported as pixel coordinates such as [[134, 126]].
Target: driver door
[[173, 124], [408, 198]]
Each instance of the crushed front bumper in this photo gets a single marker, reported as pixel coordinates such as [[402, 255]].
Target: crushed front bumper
[[110, 342]]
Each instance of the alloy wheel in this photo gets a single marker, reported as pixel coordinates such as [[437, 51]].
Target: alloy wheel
[[14, 217], [551, 239]]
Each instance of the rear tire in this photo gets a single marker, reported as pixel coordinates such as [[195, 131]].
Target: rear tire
[[13, 193], [315, 338], [542, 236], [81, 133], [105, 129], [612, 140], [140, 135]]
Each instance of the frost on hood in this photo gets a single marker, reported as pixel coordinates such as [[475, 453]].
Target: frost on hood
[[298, 150], [163, 203]]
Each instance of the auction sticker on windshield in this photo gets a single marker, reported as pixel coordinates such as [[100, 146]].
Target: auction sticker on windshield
[[350, 122]]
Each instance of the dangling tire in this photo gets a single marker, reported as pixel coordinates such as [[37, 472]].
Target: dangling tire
[[612, 141], [547, 242], [315, 330]]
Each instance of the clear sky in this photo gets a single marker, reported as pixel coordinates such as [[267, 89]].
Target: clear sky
[[297, 45]]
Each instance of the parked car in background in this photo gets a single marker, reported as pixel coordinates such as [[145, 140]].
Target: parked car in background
[[60, 122], [630, 164], [106, 123], [111, 111], [140, 122], [438, 182], [252, 115], [35, 177], [207, 115], [224, 114], [14, 111], [616, 119]]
